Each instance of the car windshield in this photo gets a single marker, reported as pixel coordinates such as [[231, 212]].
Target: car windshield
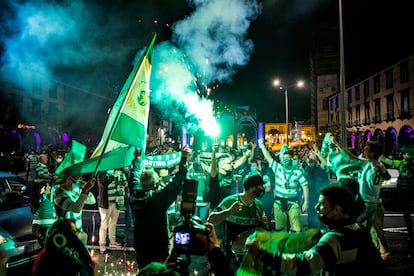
[[16, 184], [12, 200]]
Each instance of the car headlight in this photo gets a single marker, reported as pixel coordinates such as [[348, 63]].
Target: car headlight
[[2, 239], [6, 243]]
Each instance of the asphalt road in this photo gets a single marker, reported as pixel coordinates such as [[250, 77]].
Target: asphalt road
[[122, 262]]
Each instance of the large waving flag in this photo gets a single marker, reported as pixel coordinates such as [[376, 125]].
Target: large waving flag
[[127, 123], [74, 156]]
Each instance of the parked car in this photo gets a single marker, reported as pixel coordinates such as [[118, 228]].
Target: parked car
[[16, 236], [12, 182], [392, 182], [389, 193]]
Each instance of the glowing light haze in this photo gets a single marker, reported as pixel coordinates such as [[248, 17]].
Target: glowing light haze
[[210, 43], [45, 39]]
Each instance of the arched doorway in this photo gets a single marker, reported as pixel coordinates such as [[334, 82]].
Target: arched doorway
[[247, 125], [406, 134], [360, 139], [352, 140], [378, 135], [391, 142], [367, 136]]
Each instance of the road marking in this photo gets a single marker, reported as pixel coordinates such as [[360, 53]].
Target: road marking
[[126, 248], [396, 229], [395, 215]]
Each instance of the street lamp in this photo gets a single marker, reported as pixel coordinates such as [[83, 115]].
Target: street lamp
[[277, 83], [342, 75]]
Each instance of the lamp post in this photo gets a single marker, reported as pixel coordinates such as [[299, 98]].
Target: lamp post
[[277, 83], [342, 76]]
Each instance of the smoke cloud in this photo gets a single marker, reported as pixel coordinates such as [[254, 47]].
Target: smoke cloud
[[82, 44], [207, 46], [86, 45], [42, 38]]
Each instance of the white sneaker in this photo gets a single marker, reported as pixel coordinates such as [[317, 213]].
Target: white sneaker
[[115, 246], [102, 249]]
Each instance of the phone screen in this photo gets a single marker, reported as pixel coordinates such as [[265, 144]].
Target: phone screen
[[182, 238]]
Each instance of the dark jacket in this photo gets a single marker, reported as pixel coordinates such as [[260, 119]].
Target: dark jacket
[[346, 249], [218, 263], [151, 237], [405, 182], [103, 181], [218, 188]]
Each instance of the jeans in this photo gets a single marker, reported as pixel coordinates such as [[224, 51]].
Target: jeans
[[109, 219], [375, 224]]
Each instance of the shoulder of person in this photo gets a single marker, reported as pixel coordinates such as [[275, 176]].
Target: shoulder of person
[[258, 202], [229, 200], [330, 237], [233, 197], [59, 191], [298, 170]]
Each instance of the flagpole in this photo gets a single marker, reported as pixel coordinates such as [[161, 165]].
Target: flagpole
[[119, 110]]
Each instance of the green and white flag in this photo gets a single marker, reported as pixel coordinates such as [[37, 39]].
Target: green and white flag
[[74, 156], [167, 160], [128, 121]]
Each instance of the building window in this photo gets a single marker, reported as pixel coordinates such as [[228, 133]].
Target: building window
[[325, 104], [377, 107], [366, 90], [336, 102], [36, 89], [357, 115], [331, 103], [357, 93], [164, 124], [349, 114], [405, 104], [349, 93], [390, 108], [377, 86], [53, 92], [36, 109], [367, 120], [388, 79], [404, 73], [53, 113]]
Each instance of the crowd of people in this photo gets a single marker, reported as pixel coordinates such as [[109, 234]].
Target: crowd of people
[[247, 192]]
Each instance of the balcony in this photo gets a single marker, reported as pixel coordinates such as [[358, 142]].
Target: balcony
[[405, 114], [389, 116], [357, 122], [376, 118]]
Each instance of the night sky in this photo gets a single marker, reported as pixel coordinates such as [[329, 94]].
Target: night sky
[[92, 44], [376, 34]]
